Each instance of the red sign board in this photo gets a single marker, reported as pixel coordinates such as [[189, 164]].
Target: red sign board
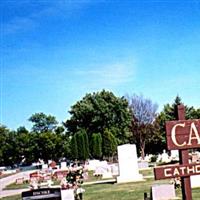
[[183, 134], [172, 171]]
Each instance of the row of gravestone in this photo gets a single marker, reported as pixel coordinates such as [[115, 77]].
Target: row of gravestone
[[129, 172], [159, 192]]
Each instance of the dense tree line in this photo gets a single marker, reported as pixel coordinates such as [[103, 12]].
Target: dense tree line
[[98, 123], [22, 146]]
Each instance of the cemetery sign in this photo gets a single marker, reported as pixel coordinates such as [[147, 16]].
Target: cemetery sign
[[182, 135], [172, 171]]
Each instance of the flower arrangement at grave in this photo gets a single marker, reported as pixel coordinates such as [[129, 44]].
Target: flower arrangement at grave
[[74, 180]]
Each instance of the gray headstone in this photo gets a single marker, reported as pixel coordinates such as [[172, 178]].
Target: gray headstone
[[143, 164], [163, 192]]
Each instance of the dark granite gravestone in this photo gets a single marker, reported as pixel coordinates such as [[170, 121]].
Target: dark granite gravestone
[[43, 193]]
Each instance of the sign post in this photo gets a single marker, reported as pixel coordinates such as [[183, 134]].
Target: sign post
[[184, 159], [182, 135]]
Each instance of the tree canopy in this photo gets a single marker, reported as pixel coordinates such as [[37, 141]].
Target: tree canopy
[[42, 122], [99, 111]]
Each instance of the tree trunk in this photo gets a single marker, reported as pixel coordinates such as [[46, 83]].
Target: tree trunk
[[142, 148]]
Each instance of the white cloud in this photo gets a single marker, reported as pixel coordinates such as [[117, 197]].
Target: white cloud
[[106, 76], [61, 9], [17, 24]]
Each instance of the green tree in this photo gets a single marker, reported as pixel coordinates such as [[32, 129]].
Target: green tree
[[100, 111], [46, 145], [4, 133], [52, 146], [23, 145], [192, 113], [10, 154], [109, 144], [62, 143], [96, 145], [86, 143], [82, 145], [51, 141], [74, 147], [42, 122]]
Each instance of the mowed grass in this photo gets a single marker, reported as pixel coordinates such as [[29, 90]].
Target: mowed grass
[[127, 191], [16, 197]]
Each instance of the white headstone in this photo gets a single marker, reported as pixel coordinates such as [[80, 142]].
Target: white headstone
[[63, 165], [114, 169], [103, 170], [67, 194], [195, 181], [92, 164], [163, 192], [44, 166], [165, 157], [174, 155], [128, 165]]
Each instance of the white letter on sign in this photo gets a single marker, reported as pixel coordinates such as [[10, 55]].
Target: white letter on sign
[[196, 137], [166, 172], [174, 135]]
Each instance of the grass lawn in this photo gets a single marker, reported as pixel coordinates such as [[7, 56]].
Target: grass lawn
[[127, 191], [16, 197], [14, 186]]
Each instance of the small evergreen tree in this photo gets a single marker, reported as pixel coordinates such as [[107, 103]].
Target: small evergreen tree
[[82, 145], [86, 142], [96, 145], [109, 143], [74, 148]]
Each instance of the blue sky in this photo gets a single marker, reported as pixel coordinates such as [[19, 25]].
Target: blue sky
[[54, 52]]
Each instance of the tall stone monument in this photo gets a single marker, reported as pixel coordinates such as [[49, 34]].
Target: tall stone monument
[[128, 165]]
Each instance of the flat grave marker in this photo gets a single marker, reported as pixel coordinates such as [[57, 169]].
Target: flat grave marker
[[163, 192], [43, 193]]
